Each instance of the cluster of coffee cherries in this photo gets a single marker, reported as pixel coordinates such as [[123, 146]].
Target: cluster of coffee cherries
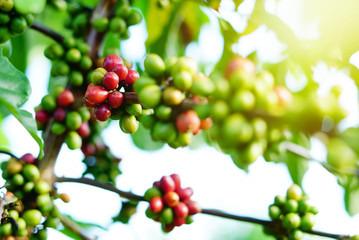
[[66, 120], [34, 199], [78, 19], [170, 204], [106, 93], [12, 21], [238, 98], [70, 59], [292, 215], [124, 17], [171, 89]]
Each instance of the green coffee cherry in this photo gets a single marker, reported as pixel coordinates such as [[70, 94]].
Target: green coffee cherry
[[48, 103], [73, 140], [28, 187], [183, 80], [14, 214], [294, 192], [18, 25], [163, 112], [129, 124], [117, 25], [167, 215], [58, 128], [134, 18], [85, 63], [30, 19], [134, 109], [147, 121], [85, 114], [291, 221], [76, 78], [57, 90], [4, 18], [291, 205], [4, 34], [151, 193], [202, 85], [150, 96], [165, 132], [32, 217], [42, 187], [220, 110], [100, 24], [18, 179], [241, 79], [73, 120], [73, 55], [123, 11], [154, 65], [142, 82], [307, 221], [6, 229], [242, 100], [296, 235], [21, 223], [6, 5], [31, 172], [97, 76], [184, 64]]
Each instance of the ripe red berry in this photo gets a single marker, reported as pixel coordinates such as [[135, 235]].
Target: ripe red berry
[[179, 221], [28, 158], [96, 95], [111, 61], [88, 149], [156, 204], [171, 199], [167, 184], [65, 99], [59, 114], [84, 130], [193, 208], [110, 80], [180, 210], [157, 184], [176, 178], [87, 104], [102, 112], [168, 228], [185, 193], [42, 116], [121, 71], [115, 99], [206, 123], [132, 76], [188, 121]]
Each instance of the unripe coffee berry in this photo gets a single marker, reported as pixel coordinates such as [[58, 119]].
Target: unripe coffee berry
[[73, 120], [97, 76], [73, 140], [73, 55]]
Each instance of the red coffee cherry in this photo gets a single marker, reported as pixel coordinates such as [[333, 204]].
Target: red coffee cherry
[[179, 221], [131, 77], [171, 199], [102, 112], [65, 99], [167, 184], [84, 130], [59, 115], [96, 95], [110, 80], [188, 121], [42, 116], [185, 193], [181, 210], [176, 178], [157, 184], [115, 99], [121, 71], [28, 158], [156, 204], [206, 123], [193, 208], [88, 149], [111, 61], [87, 104]]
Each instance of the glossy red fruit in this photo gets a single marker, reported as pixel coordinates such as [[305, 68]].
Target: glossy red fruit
[[156, 204], [193, 208], [111, 61], [87, 104], [59, 115], [131, 77], [65, 99], [96, 95], [188, 121], [84, 130], [102, 112], [171, 199], [42, 116], [176, 178], [179, 221], [111, 80], [181, 210], [88, 149], [185, 193], [240, 63], [121, 70], [206, 123], [28, 158], [115, 99], [157, 184], [168, 228], [167, 184]]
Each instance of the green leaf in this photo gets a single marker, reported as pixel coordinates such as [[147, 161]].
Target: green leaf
[[142, 139], [351, 137], [29, 6], [4, 144], [237, 3], [86, 226], [70, 234], [14, 91], [128, 209], [297, 166], [351, 195]]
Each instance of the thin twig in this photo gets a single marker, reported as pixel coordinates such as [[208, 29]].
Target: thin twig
[[48, 32], [8, 153], [74, 227]]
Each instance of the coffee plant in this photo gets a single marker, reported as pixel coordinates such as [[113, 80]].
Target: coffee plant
[[145, 72]]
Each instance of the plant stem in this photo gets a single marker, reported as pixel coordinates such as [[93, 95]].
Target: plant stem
[[75, 228], [212, 212], [8, 153], [48, 32]]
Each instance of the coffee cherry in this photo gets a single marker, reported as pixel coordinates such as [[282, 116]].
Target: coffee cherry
[[167, 216], [111, 61], [177, 180], [4, 18], [85, 114], [88, 149], [73, 55], [115, 99], [6, 5], [165, 132], [179, 221], [76, 78], [172, 96], [294, 192], [100, 24], [84, 130], [58, 128], [42, 187], [307, 221], [152, 192], [13, 167], [284, 96], [193, 207], [31, 172], [242, 100], [121, 71], [117, 25], [32, 217], [185, 193], [156, 204], [111, 80], [28, 158], [18, 179], [18, 25], [97, 76], [131, 77], [183, 81], [48, 103], [73, 140], [291, 221], [296, 235], [279, 200], [129, 124], [96, 94], [154, 65], [202, 85], [150, 96], [240, 63], [167, 184], [142, 82], [206, 123], [171, 199], [64, 197], [73, 120], [184, 64], [59, 114], [274, 212], [134, 109], [134, 18], [103, 112], [188, 121], [65, 99], [180, 210]]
